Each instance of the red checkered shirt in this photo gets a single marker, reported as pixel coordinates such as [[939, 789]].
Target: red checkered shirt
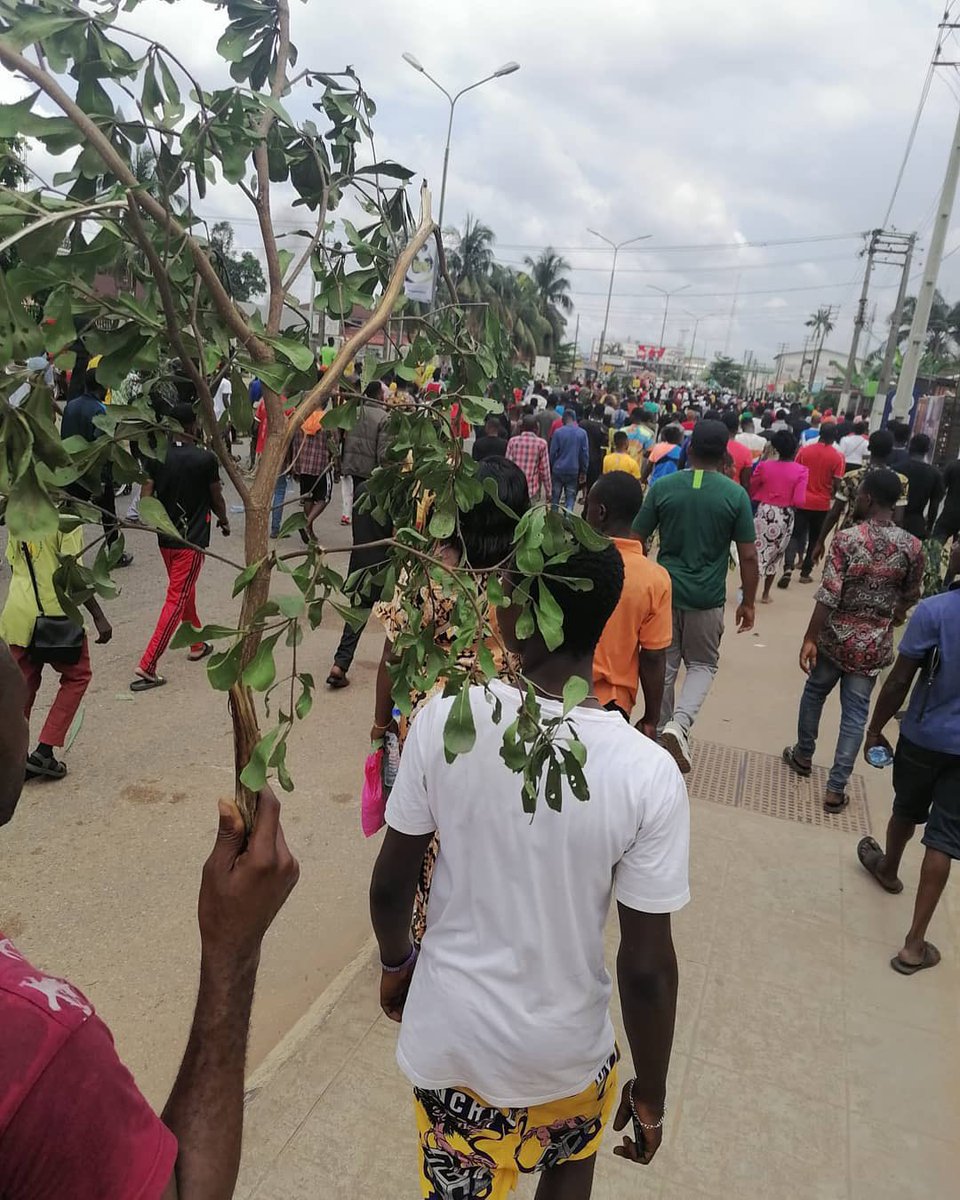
[[309, 455], [530, 454]]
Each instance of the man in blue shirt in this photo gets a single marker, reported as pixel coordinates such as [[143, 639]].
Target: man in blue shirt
[[569, 459], [926, 767]]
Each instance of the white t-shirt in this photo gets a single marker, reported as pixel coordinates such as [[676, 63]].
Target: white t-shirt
[[853, 447], [510, 996], [753, 442], [221, 397]]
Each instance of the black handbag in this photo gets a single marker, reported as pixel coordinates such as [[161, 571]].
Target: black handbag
[[55, 639]]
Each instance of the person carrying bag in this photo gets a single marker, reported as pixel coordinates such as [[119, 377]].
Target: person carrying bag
[[39, 633]]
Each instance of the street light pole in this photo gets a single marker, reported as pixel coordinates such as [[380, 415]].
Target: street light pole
[[506, 69], [666, 306], [617, 247]]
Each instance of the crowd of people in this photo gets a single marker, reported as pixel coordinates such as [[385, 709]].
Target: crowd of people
[[490, 925]]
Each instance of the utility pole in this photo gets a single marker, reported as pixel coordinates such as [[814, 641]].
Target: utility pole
[[903, 401], [886, 370], [616, 247], [781, 350], [733, 313], [576, 345], [859, 321]]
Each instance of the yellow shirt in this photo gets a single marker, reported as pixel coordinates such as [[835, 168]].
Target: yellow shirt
[[621, 462], [20, 610]]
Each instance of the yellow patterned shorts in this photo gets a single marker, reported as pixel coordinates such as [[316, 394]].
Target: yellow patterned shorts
[[471, 1151]]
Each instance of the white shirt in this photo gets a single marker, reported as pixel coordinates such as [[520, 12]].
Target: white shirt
[[853, 447], [753, 442], [221, 397], [510, 996]]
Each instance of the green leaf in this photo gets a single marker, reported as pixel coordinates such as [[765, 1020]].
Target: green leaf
[[297, 353], [293, 605], [296, 520], [246, 576], [305, 699], [575, 691], [553, 790], [586, 535], [495, 593], [261, 671], [75, 726], [153, 513], [442, 524], [459, 730], [254, 774], [30, 513], [187, 635], [223, 669], [549, 618], [575, 776], [525, 625]]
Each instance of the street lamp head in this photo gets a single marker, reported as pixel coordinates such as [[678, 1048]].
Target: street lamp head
[[506, 69], [412, 60]]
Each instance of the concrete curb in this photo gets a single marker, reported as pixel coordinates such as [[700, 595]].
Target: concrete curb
[[311, 1020]]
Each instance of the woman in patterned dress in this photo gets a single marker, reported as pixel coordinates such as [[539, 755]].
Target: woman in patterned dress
[[778, 486], [487, 537]]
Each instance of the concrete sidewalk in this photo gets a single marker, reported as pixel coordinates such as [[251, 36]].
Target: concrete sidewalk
[[803, 1066]]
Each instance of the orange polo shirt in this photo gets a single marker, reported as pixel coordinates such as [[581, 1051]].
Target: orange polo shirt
[[642, 620]]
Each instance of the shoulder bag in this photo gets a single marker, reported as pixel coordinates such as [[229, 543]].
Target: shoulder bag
[[55, 639]]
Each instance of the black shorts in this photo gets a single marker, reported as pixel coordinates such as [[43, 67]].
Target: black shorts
[[927, 792], [316, 487]]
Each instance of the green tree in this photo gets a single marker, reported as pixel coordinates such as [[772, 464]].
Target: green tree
[[821, 322], [471, 259], [114, 92], [725, 373], [244, 275], [13, 173]]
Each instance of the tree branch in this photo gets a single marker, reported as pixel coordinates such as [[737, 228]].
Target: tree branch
[[375, 322], [262, 163], [15, 61], [66, 214]]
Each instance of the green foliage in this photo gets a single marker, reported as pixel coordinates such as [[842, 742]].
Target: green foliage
[[244, 275], [723, 372]]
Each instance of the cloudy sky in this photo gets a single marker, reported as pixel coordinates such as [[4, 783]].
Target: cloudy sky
[[699, 123]]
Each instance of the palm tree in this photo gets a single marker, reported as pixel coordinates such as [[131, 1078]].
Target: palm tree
[[553, 288], [471, 257], [515, 301], [821, 322]]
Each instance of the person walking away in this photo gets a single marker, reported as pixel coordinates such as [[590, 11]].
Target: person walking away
[[663, 458], [741, 457], [854, 445], [640, 436], [926, 764], [777, 487], [31, 594], [492, 444], [310, 464], [632, 652], [871, 579], [901, 444], [593, 426], [620, 460], [812, 432], [924, 488], [54, 1047], [845, 502], [499, 1090], [364, 445], [327, 355], [531, 454], [825, 472], [546, 416], [78, 418], [698, 513], [187, 484], [569, 459], [749, 437], [947, 524]]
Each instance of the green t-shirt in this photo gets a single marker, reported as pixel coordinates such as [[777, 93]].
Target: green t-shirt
[[327, 355], [698, 514]]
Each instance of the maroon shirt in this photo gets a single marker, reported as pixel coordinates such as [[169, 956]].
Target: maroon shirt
[[72, 1120]]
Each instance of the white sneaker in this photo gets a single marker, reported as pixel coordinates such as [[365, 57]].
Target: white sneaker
[[674, 741]]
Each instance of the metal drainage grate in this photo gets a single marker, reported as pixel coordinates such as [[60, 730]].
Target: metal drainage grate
[[763, 783]]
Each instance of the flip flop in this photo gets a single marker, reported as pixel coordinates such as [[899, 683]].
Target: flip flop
[[869, 852], [931, 956], [140, 684], [207, 649], [795, 765], [837, 808], [337, 681]]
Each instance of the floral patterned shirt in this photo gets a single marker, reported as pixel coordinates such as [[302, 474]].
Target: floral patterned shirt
[[873, 569]]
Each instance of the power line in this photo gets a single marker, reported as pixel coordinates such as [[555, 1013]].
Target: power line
[[812, 287], [794, 262]]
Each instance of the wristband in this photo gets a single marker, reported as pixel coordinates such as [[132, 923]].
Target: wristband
[[407, 962]]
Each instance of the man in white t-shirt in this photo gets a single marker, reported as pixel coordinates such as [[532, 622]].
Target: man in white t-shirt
[[853, 446], [506, 1033], [749, 437]]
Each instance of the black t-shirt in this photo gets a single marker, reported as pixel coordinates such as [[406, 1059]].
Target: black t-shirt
[[595, 441], [925, 485], [182, 485], [488, 447], [951, 482]]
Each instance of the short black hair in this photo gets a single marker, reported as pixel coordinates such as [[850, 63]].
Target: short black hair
[[920, 444], [881, 444], [672, 434], [492, 423], [586, 613], [860, 427], [620, 438], [785, 444], [621, 494], [900, 431], [373, 390], [487, 531], [882, 485], [729, 418], [569, 416], [829, 433]]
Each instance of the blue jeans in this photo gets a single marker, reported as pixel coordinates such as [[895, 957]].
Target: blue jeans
[[279, 495], [567, 484], [855, 693]]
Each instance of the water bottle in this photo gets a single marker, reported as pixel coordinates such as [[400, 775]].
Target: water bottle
[[391, 754], [879, 756]]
